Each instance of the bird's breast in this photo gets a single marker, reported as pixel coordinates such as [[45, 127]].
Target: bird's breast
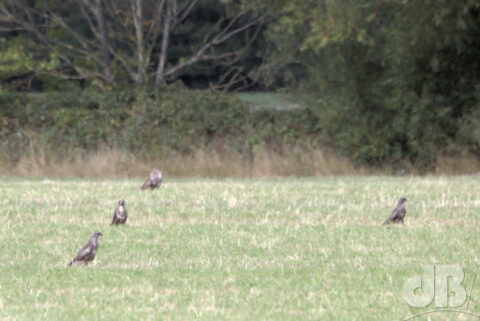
[[121, 211]]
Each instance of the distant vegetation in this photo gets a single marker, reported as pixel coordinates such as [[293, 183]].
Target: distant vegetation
[[385, 84], [268, 101], [152, 125]]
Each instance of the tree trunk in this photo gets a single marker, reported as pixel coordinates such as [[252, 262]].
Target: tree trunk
[[103, 42], [160, 74], [138, 22]]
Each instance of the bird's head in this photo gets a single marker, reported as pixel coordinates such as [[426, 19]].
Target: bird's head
[[402, 200], [121, 202], [97, 234]]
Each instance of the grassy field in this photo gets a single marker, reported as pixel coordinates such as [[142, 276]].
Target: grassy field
[[239, 249]]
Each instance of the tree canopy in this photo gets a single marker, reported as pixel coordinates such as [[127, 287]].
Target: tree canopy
[[394, 79], [111, 42]]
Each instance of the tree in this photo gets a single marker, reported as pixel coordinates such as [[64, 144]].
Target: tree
[[19, 63], [394, 80], [114, 41]]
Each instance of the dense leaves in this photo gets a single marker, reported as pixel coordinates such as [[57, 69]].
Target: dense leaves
[[147, 121], [394, 80]]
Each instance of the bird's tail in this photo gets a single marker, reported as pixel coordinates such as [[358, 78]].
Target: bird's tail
[[70, 264], [146, 184]]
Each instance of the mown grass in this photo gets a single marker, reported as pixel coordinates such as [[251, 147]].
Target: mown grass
[[243, 249]]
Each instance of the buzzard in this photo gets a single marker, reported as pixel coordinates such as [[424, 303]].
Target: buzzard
[[88, 252], [153, 181], [120, 214], [398, 213]]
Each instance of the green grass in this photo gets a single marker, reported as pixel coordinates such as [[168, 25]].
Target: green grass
[[200, 249]]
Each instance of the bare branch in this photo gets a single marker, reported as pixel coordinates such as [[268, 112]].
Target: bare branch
[[103, 41], [153, 31], [84, 42], [186, 11], [237, 30], [124, 63], [89, 21], [99, 32], [126, 34], [222, 36], [137, 10], [160, 74], [25, 19]]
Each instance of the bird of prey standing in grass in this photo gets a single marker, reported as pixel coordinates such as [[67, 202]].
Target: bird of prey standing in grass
[[120, 214], [398, 213], [88, 252], [153, 181]]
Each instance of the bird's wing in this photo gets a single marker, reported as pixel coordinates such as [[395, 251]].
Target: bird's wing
[[146, 184], [84, 252], [114, 216], [391, 217]]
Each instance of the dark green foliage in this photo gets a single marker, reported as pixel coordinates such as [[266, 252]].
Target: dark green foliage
[[398, 80], [148, 122], [144, 121], [294, 127]]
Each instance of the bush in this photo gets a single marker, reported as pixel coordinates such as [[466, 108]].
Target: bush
[[147, 122]]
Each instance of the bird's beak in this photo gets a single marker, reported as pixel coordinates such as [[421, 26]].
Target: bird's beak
[[100, 234]]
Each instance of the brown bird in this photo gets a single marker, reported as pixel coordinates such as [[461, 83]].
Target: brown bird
[[398, 213], [88, 252], [120, 214], [154, 180]]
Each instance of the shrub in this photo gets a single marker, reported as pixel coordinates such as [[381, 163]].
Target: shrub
[[147, 122]]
